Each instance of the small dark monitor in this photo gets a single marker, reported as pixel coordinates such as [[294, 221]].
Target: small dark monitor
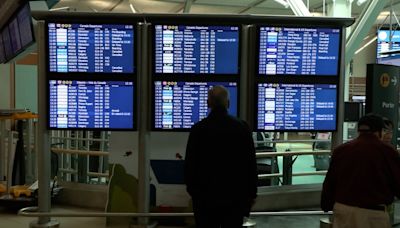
[[353, 111], [196, 49], [7, 43], [178, 105], [15, 36], [296, 107], [2, 54], [25, 26], [299, 51], [107, 105], [91, 48]]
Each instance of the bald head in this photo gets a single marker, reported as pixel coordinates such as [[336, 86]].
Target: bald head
[[218, 97]]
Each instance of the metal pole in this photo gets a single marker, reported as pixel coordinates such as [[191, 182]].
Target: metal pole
[[43, 152], [337, 137], [143, 125]]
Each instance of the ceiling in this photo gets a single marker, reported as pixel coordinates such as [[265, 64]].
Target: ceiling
[[266, 7]]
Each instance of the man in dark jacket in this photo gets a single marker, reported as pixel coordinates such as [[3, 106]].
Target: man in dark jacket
[[363, 178], [220, 166]]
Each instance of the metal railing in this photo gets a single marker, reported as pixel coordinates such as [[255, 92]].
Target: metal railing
[[32, 212], [81, 156]]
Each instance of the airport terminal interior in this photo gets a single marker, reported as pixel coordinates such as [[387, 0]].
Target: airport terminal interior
[[97, 98]]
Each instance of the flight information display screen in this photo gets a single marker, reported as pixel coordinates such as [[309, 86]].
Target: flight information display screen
[[179, 105], [91, 48], [91, 104], [299, 51], [193, 49], [296, 107]]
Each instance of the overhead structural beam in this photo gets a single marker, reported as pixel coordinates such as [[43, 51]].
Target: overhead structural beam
[[299, 8], [254, 4], [362, 26], [187, 6]]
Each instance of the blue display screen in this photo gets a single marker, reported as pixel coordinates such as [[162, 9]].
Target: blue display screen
[[388, 41], [91, 104], [91, 48], [179, 105], [299, 51], [193, 49], [296, 107]]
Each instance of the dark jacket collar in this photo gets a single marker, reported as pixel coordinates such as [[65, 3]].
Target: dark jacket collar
[[219, 111]]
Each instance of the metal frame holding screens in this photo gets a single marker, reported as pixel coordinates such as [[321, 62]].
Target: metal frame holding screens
[[296, 107], [76, 104], [179, 104], [196, 49], [305, 51], [102, 48]]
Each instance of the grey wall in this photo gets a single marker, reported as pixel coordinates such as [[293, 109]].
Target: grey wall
[[26, 87]]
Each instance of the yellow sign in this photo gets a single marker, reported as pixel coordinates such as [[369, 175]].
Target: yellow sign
[[384, 80]]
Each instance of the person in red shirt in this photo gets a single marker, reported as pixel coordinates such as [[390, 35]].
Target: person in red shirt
[[363, 178]]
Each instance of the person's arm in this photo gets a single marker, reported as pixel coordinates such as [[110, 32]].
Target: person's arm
[[328, 188], [251, 163], [189, 167]]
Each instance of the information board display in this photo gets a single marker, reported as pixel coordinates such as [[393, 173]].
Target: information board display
[[195, 49], [388, 41], [91, 104], [296, 107], [179, 105], [299, 51], [91, 48]]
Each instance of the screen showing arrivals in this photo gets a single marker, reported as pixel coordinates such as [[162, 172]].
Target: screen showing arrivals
[[299, 51], [91, 104], [179, 105], [296, 107], [191, 49], [91, 48]]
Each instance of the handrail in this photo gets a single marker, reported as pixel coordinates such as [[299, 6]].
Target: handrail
[[79, 152], [291, 153], [273, 175], [32, 212], [294, 141]]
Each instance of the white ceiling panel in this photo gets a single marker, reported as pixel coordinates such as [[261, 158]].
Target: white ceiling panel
[[215, 9], [225, 2], [269, 11], [149, 6]]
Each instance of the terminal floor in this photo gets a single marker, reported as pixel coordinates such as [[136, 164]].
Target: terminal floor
[[9, 219]]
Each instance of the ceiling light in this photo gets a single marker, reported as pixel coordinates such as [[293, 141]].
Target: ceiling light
[[132, 8], [283, 2], [60, 8], [366, 45], [360, 2]]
